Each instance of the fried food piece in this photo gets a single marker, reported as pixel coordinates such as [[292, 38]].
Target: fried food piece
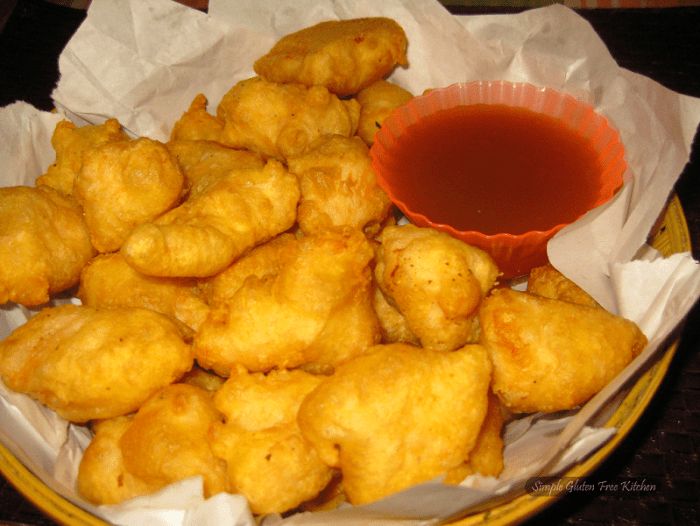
[[385, 439], [70, 144], [268, 460], [487, 456], [549, 282], [203, 379], [124, 184], [377, 101], [343, 55], [216, 224], [338, 186], [392, 323], [109, 281], [281, 120], [166, 441], [436, 282], [550, 355], [196, 124], [286, 319], [202, 161], [45, 244], [87, 363]]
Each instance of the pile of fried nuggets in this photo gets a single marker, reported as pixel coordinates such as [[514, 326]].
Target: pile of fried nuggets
[[252, 314]]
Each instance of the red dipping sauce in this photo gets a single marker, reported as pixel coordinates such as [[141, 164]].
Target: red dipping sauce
[[496, 169]]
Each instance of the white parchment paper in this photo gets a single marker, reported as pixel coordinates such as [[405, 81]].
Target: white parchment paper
[[142, 61]]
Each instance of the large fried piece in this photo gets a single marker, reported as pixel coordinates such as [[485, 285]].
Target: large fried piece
[[44, 244], [549, 282], [124, 184], [551, 355], [70, 144], [342, 55], [291, 318], [218, 222], [436, 282], [87, 363], [377, 101], [281, 120], [338, 186], [397, 416], [196, 124], [268, 460], [109, 281], [166, 441]]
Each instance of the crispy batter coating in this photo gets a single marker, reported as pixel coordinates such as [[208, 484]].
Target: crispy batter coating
[[203, 379], [202, 161], [109, 281], [550, 355], [281, 120], [342, 55], [216, 224], [392, 323], [549, 282], [166, 441], [268, 460], [338, 186], [436, 282], [44, 244], [196, 124], [124, 184], [87, 363], [70, 144], [487, 456], [397, 416], [377, 101], [288, 319]]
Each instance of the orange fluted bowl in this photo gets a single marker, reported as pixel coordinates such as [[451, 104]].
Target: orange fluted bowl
[[502, 166]]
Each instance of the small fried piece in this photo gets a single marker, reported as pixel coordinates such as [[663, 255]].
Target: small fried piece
[[268, 460], [338, 186], [87, 363], [45, 244], [343, 55], [551, 355], [217, 223], [296, 316], [377, 101], [109, 281], [166, 441], [436, 282], [392, 323], [124, 184], [281, 120], [549, 282], [397, 416], [196, 124], [70, 144]]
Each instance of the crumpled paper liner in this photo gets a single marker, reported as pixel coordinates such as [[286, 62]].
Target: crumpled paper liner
[[142, 61]]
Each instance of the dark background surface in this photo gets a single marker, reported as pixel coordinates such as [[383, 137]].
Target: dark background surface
[[663, 44]]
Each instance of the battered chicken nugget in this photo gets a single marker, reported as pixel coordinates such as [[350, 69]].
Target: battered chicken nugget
[[377, 101], [342, 55], [109, 281], [268, 460], [216, 224], [281, 120], [285, 320], [549, 282], [87, 363], [550, 355], [124, 184], [436, 282], [397, 416], [196, 124], [45, 244], [166, 441], [70, 144], [202, 161], [338, 186]]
